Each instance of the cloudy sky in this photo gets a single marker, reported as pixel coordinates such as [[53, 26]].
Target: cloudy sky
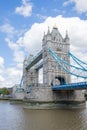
[[23, 23]]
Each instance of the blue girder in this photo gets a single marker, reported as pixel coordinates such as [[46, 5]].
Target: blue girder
[[21, 81], [71, 86]]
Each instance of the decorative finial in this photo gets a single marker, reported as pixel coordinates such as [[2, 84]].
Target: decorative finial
[[66, 32], [55, 26], [48, 30], [66, 37], [44, 33]]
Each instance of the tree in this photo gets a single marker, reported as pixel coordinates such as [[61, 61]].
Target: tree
[[4, 91]]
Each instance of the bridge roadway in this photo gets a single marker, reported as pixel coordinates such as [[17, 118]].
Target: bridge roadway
[[35, 60], [71, 86]]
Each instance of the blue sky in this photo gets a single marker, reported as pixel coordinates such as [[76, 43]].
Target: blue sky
[[23, 23]]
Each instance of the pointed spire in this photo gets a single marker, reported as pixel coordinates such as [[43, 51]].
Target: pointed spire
[[44, 33], [25, 58], [55, 26], [25, 61], [44, 37], [66, 37], [48, 30]]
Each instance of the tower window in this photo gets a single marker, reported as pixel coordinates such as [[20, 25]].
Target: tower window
[[58, 49], [54, 38]]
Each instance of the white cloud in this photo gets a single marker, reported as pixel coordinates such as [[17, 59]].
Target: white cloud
[[2, 79], [80, 5], [11, 44], [13, 71], [20, 66], [67, 2], [11, 76], [8, 29], [1, 62], [16, 47], [1, 65], [25, 9], [42, 17], [19, 56]]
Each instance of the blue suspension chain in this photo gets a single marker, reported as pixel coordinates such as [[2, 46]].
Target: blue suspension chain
[[58, 61]]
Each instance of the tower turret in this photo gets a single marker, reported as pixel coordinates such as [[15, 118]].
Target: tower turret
[[48, 36], [55, 41], [66, 39]]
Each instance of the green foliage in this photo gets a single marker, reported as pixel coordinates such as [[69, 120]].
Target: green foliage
[[4, 91]]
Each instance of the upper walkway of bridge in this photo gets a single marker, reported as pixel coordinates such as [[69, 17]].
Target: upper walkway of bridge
[[34, 60]]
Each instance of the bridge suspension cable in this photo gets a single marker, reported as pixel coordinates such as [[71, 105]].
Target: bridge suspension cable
[[78, 61], [64, 65], [77, 58], [21, 81]]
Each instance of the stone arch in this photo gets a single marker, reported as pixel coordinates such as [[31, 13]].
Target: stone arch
[[61, 79]]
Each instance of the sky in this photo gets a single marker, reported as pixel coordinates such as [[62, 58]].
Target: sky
[[22, 26]]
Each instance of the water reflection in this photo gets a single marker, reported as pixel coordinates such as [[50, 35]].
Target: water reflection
[[56, 120], [14, 117], [11, 117]]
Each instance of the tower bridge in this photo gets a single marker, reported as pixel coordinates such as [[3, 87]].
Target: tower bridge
[[54, 58]]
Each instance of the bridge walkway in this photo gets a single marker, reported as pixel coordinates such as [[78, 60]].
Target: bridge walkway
[[71, 86]]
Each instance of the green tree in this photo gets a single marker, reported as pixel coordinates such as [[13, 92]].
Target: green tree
[[4, 91]]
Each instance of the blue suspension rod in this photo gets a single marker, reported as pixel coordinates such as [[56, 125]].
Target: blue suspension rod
[[60, 59], [77, 58], [76, 61], [57, 60]]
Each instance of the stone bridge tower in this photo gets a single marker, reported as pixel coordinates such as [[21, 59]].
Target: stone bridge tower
[[60, 46], [51, 70]]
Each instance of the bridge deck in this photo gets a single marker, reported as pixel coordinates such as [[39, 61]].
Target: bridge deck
[[72, 86]]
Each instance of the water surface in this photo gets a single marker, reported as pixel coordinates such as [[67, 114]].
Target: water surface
[[14, 117]]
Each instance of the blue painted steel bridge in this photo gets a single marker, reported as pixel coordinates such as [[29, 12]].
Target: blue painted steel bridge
[[71, 86]]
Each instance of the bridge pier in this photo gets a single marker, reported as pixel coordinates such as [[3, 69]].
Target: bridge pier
[[44, 96]]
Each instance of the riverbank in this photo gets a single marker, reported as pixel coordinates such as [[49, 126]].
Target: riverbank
[[55, 105], [27, 104], [4, 98]]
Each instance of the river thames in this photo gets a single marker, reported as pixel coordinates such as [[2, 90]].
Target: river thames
[[15, 117]]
